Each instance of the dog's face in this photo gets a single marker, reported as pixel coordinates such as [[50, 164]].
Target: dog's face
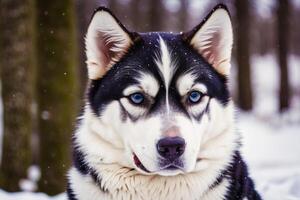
[[160, 97]]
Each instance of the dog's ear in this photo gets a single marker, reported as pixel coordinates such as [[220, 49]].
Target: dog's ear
[[213, 39], [107, 40]]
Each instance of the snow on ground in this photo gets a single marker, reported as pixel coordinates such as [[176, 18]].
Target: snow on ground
[[29, 196], [273, 155], [271, 142]]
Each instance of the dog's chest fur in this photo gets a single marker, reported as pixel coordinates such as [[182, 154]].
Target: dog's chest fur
[[126, 184], [116, 182]]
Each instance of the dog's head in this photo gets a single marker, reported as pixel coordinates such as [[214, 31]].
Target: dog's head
[[161, 98]]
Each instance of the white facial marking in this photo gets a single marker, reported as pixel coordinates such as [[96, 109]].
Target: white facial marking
[[186, 83], [166, 67], [136, 111], [149, 84], [199, 107], [200, 87], [131, 89]]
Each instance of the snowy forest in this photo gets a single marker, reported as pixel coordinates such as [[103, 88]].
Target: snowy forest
[[43, 79]]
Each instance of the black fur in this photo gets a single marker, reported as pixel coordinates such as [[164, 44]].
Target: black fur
[[241, 185], [70, 193], [141, 59]]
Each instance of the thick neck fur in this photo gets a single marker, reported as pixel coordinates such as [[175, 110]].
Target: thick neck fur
[[113, 177], [116, 182]]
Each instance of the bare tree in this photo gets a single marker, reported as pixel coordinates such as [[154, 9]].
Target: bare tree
[[183, 15], [57, 90], [17, 77], [135, 14], [84, 11], [282, 50], [242, 54], [155, 15]]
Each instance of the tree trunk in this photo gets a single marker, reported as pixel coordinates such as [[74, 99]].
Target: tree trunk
[[183, 15], [84, 11], [283, 35], [242, 51], [113, 6], [155, 15], [135, 15], [57, 90], [17, 75]]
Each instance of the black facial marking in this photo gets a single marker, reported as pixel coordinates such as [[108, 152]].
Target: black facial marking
[[140, 59], [241, 185], [70, 192], [81, 165], [207, 110], [79, 161]]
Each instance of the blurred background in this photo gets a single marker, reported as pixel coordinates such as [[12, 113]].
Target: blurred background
[[43, 78]]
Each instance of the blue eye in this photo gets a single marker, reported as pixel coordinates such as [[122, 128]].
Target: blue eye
[[137, 98], [195, 97]]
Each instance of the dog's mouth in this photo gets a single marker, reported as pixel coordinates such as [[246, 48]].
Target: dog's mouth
[[139, 164], [170, 166], [175, 165]]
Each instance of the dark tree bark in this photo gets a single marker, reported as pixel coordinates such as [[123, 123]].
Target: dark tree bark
[[242, 51], [17, 76], [113, 6], [84, 11], [57, 90], [155, 15], [135, 14], [183, 15], [282, 50]]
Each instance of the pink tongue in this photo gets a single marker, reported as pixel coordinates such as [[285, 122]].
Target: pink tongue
[[139, 164], [136, 160]]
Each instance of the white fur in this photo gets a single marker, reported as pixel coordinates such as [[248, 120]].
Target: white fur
[[214, 41], [104, 35], [149, 84], [122, 183], [217, 192], [135, 111], [186, 83], [199, 107], [166, 67]]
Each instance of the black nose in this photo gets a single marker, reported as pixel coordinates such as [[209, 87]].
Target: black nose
[[171, 148]]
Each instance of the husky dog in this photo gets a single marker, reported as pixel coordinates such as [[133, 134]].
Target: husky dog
[[158, 122]]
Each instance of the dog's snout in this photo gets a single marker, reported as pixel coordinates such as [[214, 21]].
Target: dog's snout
[[171, 148]]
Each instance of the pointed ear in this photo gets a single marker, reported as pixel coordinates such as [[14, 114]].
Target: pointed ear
[[106, 42], [213, 39]]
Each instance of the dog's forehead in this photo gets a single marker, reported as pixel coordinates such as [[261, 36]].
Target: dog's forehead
[[152, 39], [163, 58], [167, 57], [160, 54]]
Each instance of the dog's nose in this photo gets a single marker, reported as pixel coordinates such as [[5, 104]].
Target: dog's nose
[[171, 148]]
